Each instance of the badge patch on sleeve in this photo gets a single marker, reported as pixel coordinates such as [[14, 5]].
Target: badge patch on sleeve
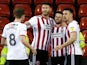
[[72, 29]]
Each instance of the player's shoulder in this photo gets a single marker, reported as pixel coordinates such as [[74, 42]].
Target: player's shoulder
[[73, 23], [22, 25], [51, 18], [7, 25], [34, 17]]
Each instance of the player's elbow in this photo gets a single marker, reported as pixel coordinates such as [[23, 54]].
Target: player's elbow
[[73, 38], [23, 41], [3, 40]]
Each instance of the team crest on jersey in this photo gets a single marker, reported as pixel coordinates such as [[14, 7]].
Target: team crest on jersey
[[56, 35], [48, 27]]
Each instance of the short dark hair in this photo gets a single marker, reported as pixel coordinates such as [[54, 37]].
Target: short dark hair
[[69, 9], [58, 12], [46, 3], [18, 12]]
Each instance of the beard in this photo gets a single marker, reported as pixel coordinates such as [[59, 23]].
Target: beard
[[46, 14], [58, 22]]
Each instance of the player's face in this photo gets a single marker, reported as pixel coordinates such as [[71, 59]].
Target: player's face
[[66, 15], [58, 18], [46, 9]]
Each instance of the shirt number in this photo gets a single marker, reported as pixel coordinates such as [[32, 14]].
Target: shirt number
[[12, 40]]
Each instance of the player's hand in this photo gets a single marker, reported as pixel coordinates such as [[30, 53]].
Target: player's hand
[[59, 47], [34, 51]]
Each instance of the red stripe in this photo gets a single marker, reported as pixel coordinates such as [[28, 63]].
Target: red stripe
[[57, 40], [70, 44], [61, 44], [47, 38], [53, 42], [52, 29], [68, 34], [65, 35], [42, 20], [57, 44], [70, 49], [47, 21], [62, 41], [53, 45], [47, 34], [38, 33], [44, 34]]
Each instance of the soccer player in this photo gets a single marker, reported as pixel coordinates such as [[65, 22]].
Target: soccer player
[[58, 38], [42, 25], [14, 34], [74, 52]]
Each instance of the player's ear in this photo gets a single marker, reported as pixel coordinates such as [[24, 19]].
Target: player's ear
[[50, 9], [23, 17]]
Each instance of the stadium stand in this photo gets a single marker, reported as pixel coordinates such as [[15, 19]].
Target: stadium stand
[[38, 10], [0, 34], [65, 2], [60, 7], [26, 19], [4, 10], [82, 2], [40, 1], [4, 1], [85, 35], [22, 2], [3, 22], [82, 10], [83, 23], [28, 11]]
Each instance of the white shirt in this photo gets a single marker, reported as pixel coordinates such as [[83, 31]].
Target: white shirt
[[16, 49], [74, 48]]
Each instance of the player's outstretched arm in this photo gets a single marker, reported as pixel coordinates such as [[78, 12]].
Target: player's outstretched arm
[[28, 24], [68, 42], [3, 41], [23, 39]]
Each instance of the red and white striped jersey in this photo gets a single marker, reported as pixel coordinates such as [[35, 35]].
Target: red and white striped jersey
[[74, 48], [41, 31], [57, 38]]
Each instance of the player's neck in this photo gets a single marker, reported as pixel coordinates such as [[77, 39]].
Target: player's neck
[[64, 24], [70, 20], [17, 20], [58, 25], [46, 17]]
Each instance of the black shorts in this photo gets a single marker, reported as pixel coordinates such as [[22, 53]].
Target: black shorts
[[58, 60], [74, 59], [42, 56], [17, 62]]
